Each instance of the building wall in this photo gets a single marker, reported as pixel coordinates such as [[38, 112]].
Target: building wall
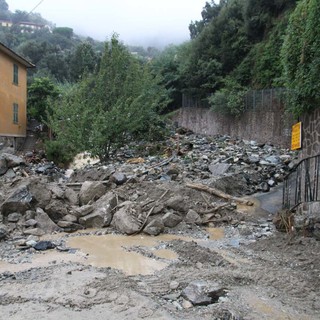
[[261, 125], [10, 94], [310, 134]]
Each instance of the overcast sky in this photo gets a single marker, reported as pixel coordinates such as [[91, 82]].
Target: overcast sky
[[141, 22]]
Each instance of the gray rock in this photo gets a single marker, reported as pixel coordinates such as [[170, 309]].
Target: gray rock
[[44, 222], [254, 158], [34, 232], [10, 174], [92, 220], [174, 285], [70, 226], [177, 203], [3, 166], [91, 190], [171, 220], [271, 183], [273, 160], [71, 196], [118, 178], [12, 160], [203, 292], [14, 217], [18, 201], [105, 207], [70, 218], [56, 210], [56, 191], [264, 187], [40, 192], [82, 211], [31, 223], [3, 232], [31, 243], [30, 214], [126, 219], [219, 169], [44, 245], [193, 217], [155, 227]]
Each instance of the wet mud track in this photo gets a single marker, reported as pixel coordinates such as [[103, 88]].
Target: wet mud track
[[275, 277]]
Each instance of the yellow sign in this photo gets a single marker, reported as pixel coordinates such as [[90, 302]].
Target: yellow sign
[[296, 136]]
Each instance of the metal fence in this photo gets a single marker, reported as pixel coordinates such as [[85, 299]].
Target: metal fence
[[302, 184], [268, 99]]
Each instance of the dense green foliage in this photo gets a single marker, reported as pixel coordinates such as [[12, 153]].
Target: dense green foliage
[[110, 94], [235, 47], [301, 57], [39, 93], [110, 107]]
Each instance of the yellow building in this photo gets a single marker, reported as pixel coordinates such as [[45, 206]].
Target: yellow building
[[13, 93]]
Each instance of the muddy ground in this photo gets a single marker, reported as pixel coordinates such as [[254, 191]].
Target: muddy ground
[[101, 274], [268, 277]]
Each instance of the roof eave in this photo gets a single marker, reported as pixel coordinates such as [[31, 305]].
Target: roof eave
[[15, 56]]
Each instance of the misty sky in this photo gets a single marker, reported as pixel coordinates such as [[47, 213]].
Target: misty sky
[[141, 22]]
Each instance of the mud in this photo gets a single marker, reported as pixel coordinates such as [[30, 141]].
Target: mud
[[272, 278]]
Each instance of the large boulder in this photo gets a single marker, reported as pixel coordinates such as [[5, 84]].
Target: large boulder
[[71, 196], [171, 219], [8, 161], [154, 228], [40, 192], [56, 210], [126, 219], [44, 222], [19, 201], [102, 214], [201, 292], [177, 203], [91, 190], [3, 232], [3, 166], [82, 211]]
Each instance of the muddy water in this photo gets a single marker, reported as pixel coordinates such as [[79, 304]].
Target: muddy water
[[116, 251]]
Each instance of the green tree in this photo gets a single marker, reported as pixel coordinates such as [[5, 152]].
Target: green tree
[[64, 32], [301, 57], [82, 60], [4, 10], [109, 108], [39, 93]]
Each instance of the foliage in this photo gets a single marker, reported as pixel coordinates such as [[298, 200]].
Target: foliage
[[111, 107], [39, 92], [301, 57], [82, 60], [59, 152], [229, 99]]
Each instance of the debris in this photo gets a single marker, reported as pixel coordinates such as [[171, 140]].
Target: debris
[[218, 193]]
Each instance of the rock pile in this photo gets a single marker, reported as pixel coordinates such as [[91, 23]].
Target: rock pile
[[135, 194]]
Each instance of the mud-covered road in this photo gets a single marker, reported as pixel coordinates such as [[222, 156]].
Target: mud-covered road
[[212, 258], [274, 277]]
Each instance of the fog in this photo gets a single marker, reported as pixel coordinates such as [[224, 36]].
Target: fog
[[138, 22]]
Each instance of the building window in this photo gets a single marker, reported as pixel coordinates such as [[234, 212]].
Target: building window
[[15, 74], [15, 113]]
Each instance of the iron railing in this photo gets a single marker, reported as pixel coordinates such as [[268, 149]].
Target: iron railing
[[302, 184]]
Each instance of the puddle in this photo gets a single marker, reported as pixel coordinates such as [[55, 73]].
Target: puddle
[[268, 309], [114, 251], [216, 233]]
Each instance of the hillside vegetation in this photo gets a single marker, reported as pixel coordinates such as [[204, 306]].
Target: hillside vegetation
[[238, 45]]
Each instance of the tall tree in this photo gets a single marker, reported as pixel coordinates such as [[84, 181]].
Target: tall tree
[[301, 57], [111, 107]]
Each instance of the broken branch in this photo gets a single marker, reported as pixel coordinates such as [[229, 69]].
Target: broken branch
[[218, 193]]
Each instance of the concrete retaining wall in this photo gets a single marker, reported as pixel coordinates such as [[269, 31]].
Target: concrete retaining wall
[[264, 126]]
